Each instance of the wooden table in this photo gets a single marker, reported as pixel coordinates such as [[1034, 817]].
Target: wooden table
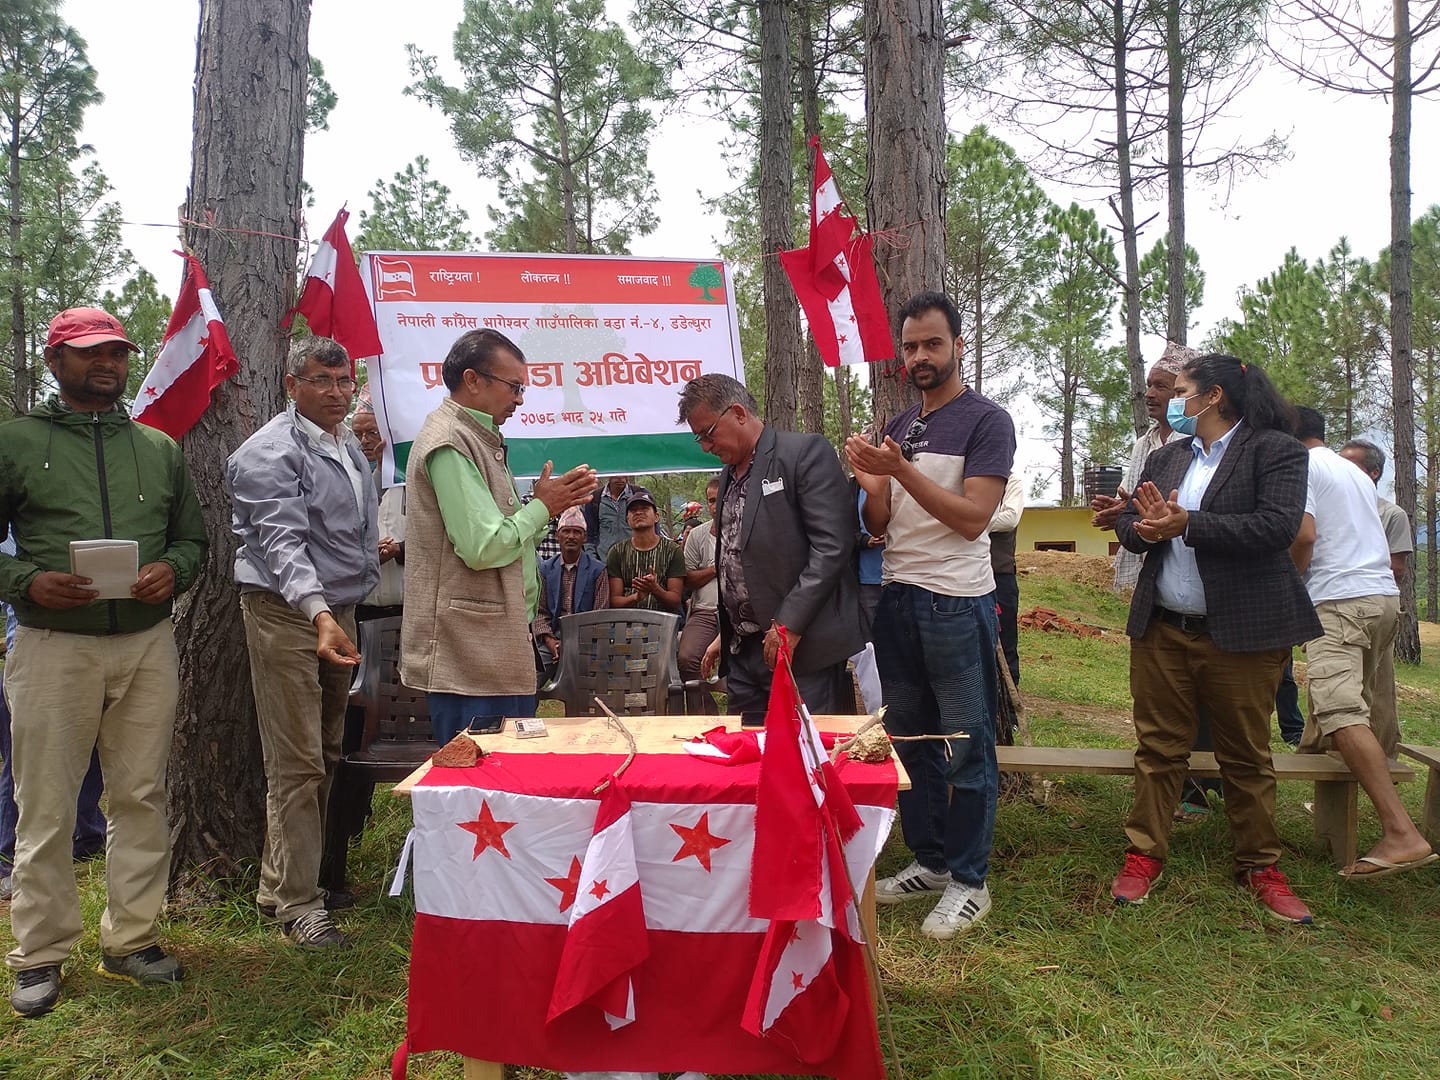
[[653, 735]]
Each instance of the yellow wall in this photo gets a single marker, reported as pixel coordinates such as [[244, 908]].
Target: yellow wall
[[1062, 523]]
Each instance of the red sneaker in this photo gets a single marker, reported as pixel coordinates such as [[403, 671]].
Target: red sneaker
[[1272, 889], [1132, 884]]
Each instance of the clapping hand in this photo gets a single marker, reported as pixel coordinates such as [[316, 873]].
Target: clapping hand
[[1161, 518]]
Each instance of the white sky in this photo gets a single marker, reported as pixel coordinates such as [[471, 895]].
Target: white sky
[[1336, 182]]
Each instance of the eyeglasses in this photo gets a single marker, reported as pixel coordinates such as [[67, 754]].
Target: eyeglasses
[[516, 388], [325, 383], [914, 435], [708, 434]]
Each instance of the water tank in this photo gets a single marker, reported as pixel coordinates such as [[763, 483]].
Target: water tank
[[1101, 480]]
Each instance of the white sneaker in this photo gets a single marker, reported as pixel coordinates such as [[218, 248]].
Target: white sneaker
[[912, 883], [959, 909]]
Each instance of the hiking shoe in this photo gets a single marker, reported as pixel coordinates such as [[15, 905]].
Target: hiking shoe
[[7, 887], [335, 900], [959, 910], [36, 990], [152, 966], [1272, 889], [314, 930], [1140, 872], [912, 883]]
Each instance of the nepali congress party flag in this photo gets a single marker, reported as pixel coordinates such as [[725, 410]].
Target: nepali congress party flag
[[333, 301], [607, 938], [194, 358], [803, 819], [502, 855], [834, 279]]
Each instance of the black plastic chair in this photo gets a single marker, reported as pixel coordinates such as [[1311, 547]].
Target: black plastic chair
[[626, 658], [388, 736]]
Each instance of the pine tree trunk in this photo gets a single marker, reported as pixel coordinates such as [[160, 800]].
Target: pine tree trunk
[[777, 209], [1402, 369], [810, 377], [21, 392], [1127, 222], [1432, 585], [905, 165], [251, 70], [1176, 329]]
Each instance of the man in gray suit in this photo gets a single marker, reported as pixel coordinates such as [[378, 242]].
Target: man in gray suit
[[786, 535]]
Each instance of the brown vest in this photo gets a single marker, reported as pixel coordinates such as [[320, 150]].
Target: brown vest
[[465, 631]]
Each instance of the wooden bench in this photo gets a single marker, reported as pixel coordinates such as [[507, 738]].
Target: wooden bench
[[1336, 794], [1430, 819]]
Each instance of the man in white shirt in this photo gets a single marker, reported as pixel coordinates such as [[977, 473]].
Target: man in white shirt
[[1400, 535], [1342, 553]]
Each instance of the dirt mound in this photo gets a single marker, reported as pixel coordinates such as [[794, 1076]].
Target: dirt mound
[[1096, 570]]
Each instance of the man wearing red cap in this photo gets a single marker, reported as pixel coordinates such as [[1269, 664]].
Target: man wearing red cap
[[88, 672]]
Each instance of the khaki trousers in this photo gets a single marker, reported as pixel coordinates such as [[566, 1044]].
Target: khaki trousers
[[1171, 672], [1351, 672], [300, 705], [69, 693]]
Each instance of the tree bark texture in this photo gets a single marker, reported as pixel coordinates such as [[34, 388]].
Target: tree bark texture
[[905, 166], [1402, 367], [1176, 330], [810, 376], [777, 209], [1126, 211], [23, 395], [250, 76]]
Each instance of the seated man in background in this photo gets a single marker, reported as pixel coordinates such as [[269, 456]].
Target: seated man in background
[[574, 581], [646, 571], [702, 623]]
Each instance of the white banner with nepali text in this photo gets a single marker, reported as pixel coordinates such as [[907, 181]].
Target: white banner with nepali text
[[609, 341]]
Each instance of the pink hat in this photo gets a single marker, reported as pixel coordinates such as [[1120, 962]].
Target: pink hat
[[81, 327], [574, 518]]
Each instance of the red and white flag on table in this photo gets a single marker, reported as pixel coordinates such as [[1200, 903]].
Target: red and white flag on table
[[503, 855], [194, 358], [607, 938], [333, 300], [804, 818], [834, 279]]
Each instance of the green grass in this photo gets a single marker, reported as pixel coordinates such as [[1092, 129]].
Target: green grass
[[1057, 984]]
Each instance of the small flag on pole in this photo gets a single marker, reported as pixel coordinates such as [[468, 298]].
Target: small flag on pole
[[194, 358]]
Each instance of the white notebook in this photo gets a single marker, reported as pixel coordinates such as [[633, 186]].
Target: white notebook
[[113, 566]]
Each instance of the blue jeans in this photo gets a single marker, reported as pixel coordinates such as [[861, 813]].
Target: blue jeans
[[1287, 706], [451, 714], [936, 656], [89, 838]]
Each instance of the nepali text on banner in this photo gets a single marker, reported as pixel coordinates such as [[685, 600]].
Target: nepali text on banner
[[608, 341]]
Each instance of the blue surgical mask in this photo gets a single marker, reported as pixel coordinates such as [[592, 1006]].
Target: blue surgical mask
[[1176, 418]]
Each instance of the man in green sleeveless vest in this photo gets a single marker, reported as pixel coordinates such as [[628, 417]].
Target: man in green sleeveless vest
[[471, 586]]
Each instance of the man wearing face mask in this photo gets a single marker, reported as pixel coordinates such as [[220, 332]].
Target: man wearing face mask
[[1159, 389]]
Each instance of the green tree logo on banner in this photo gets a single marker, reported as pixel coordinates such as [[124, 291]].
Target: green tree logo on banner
[[706, 276]]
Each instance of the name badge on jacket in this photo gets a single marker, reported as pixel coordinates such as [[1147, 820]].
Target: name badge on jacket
[[770, 487]]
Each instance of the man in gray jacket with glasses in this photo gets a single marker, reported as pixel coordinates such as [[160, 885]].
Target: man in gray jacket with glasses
[[305, 513]]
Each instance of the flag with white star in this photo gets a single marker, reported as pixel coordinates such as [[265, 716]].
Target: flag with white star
[[607, 938], [194, 358], [528, 902]]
